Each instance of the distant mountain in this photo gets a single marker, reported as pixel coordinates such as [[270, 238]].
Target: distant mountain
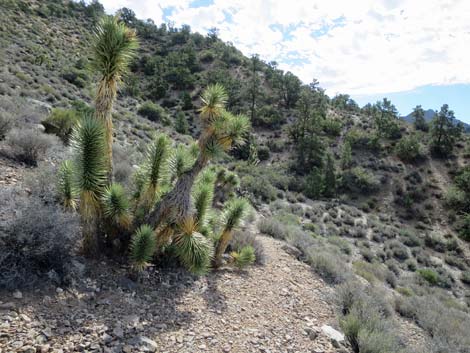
[[429, 115]]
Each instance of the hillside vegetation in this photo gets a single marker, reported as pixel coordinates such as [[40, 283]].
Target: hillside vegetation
[[174, 152]]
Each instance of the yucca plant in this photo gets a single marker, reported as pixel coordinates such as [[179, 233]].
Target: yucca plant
[[115, 205], [181, 161], [88, 143], [213, 100], [155, 171], [67, 190], [202, 195], [193, 249], [114, 47], [244, 257], [220, 132], [143, 246], [232, 216]]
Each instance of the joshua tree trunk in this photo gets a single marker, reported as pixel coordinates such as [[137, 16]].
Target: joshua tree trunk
[[221, 247], [176, 205], [104, 104]]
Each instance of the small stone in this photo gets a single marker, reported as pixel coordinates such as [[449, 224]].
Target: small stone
[[226, 349], [28, 349], [333, 334], [47, 332], [118, 332], [7, 306], [44, 348], [106, 338], [127, 349], [150, 344], [59, 290], [17, 294]]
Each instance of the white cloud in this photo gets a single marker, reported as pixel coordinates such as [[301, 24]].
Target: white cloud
[[357, 47]]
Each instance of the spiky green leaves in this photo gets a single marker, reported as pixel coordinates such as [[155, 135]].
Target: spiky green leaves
[[234, 212], [236, 128], [114, 47], [181, 161], [245, 257], [155, 172], [115, 205], [88, 143], [213, 99], [193, 249], [203, 196], [143, 245], [67, 190]]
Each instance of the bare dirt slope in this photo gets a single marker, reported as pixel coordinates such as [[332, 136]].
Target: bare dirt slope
[[278, 307]]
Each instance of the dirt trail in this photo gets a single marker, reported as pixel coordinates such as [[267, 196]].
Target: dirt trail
[[278, 307]]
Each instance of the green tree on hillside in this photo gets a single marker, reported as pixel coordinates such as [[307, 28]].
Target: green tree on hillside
[[305, 132], [386, 119], [346, 156], [419, 121], [445, 132], [330, 177], [254, 86]]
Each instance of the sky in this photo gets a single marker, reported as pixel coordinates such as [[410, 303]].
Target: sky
[[412, 51]]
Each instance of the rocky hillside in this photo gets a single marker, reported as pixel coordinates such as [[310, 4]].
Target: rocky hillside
[[369, 214]]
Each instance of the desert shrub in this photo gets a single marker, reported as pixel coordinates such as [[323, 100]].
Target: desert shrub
[[455, 261], [436, 242], [273, 227], [367, 254], [360, 139], [37, 245], [332, 127], [408, 149], [263, 153], [456, 198], [181, 123], [75, 76], [463, 227], [328, 265], [242, 239], [262, 181], [430, 276], [28, 146], [342, 244], [364, 320], [369, 271], [153, 112], [398, 250], [5, 124], [410, 239], [358, 180], [465, 277], [269, 116], [61, 122], [447, 326]]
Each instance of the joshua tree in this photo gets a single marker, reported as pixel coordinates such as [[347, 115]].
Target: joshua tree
[[67, 190], [233, 215], [114, 46], [88, 141], [220, 131]]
